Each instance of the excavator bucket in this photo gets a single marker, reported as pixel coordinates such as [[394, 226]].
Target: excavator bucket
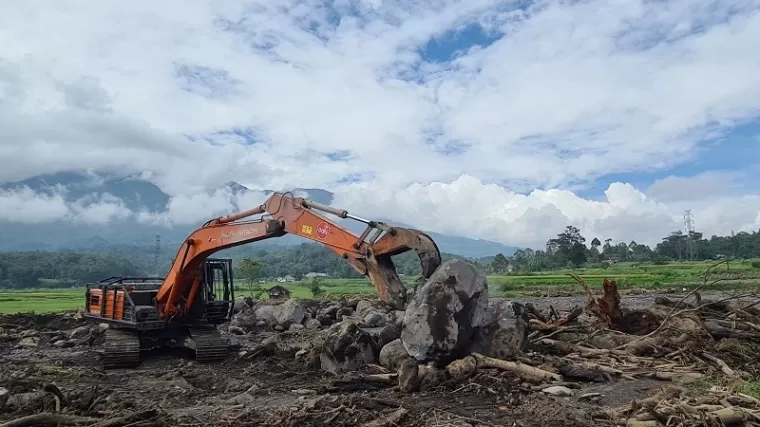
[[381, 270]]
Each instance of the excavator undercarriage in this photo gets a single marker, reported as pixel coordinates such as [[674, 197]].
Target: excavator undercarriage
[[184, 308]]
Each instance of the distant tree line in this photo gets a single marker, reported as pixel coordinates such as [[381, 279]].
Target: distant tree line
[[568, 250]]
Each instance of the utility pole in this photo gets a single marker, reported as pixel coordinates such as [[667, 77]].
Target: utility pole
[[156, 254], [688, 229]]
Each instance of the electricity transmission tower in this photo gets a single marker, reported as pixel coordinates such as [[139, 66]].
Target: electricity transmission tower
[[156, 254], [688, 229]]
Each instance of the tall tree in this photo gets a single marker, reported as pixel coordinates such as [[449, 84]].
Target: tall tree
[[500, 264], [569, 246]]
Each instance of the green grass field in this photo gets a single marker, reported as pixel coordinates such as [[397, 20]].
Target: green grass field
[[738, 275]]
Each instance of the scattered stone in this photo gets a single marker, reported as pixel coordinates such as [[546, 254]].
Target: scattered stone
[[312, 324], [462, 369], [409, 376], [445, 313], [347, 348], [266, 314], [558, 390], [79, 332], [342, 313], [296, 327], [354, 302], [29, 333], [236, 330], [288, 313], [63, 344], [279, 328], [375, 319], [29, 342], [301, 353], [393, 355], [245, 320], [4, 394], [431, 376], [387, 334], [363, 307]]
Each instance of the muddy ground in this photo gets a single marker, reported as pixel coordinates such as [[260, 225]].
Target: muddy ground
[[281, 384]]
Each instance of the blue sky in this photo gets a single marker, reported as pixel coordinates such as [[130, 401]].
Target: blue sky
[[582, 112]]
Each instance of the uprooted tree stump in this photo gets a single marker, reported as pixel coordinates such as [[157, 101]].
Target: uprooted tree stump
[[609, 313]]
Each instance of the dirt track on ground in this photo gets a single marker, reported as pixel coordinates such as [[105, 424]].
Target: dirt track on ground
[[279, 389]]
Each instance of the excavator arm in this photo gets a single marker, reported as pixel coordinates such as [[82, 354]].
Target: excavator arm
[[369, 255]]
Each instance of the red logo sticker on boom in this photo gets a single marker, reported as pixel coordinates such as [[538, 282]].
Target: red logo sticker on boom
[[323, 229]]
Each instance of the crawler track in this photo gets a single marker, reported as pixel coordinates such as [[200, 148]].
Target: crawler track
[[210, 345], [121, 349]]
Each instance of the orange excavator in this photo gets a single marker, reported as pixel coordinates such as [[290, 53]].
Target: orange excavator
[[183, 309]]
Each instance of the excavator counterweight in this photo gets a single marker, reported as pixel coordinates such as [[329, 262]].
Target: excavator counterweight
[[182, 308]]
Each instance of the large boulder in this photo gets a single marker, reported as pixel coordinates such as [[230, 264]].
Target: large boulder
[[445, 313], [347, 348], [288, 313], [506, 336]]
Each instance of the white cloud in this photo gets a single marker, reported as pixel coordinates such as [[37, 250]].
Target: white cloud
[[465, 207], [24, 205], [572, 92]]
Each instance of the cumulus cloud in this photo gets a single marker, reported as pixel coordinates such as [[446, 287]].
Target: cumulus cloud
[[321, 94]]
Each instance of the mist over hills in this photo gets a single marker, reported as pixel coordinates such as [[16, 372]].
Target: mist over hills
[[140, 195]]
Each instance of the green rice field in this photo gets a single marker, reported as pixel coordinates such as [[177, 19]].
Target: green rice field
[[738, 275]]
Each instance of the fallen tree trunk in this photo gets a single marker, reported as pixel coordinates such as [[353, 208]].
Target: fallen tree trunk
[[526, 372], [49, 419]]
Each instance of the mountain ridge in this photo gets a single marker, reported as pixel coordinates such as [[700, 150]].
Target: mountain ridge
[[140, 195]]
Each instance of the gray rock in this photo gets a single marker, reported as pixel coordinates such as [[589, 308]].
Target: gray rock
[[245, 320], [375, 319], [266, 313], [445, 313], [63, 344], [507, 336], [29, 342], [347, 348], [4, 394], [312, 324], [387, 334], [342, 313], [295, 327], [79, 332], [558, 390], [393, 355], [288, 313], [364, 307]]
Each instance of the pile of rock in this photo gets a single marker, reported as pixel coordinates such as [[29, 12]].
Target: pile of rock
[[447, 319]]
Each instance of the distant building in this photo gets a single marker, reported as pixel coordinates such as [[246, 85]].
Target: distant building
[[278, 292], [314, 275], [285, 279]]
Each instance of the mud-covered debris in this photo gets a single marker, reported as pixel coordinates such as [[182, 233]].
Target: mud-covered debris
[[4, 394], [445, 313], [347, 348]]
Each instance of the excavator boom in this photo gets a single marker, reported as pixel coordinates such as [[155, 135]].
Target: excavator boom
[[369, 254]]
